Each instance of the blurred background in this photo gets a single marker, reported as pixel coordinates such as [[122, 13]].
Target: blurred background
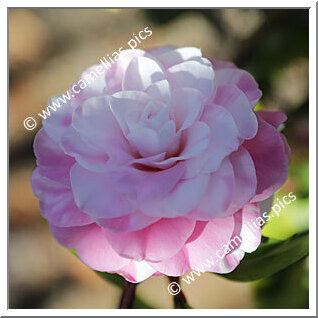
[[48, 50]]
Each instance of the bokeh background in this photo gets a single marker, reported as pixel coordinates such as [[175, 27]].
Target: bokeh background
[[48, 50]]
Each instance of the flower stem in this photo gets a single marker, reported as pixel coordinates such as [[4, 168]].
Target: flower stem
[[179, 300], [128, 296]]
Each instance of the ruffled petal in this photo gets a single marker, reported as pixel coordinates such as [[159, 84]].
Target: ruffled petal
[[59, 118], [233, 99], [268, 152], [275, 118], [216, 246], [94, 77], [91, 246], [154, 242], [85, 154], [242, 79], [223, 141], [182, 199], [219, 194], [208, 238], [245, 179], [141, 73], [136, 272], [187, 105], [56, 202], [95, 194], [178, 55], [132, 222], [52, 162], [97, 126], [192, 74], [115, 73]]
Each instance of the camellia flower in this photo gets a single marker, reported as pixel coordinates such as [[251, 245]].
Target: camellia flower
[[158, 164]]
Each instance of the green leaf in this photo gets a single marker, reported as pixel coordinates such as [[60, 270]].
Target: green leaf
[[112, 278], [271, 258]]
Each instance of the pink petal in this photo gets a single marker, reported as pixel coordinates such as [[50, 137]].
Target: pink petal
[[141, 73], [210, 238], [85, 154], [149, 142], [96, 82], [97, 126], [192, 74], [115, 73], [52, 162], [124, 103], [157, 51], [136, 272], [154, 242], [91, 246], [140, 185], [223, 141], [219, 64], [242, 79], [249, 230], [219, 193], [233, 99], [56, 202], [58, 120], [160, 90], [95, 194], [275, 118], [182, 199], [245, 179], [267, 150], [178, 55], [132, 222], [186, 104]]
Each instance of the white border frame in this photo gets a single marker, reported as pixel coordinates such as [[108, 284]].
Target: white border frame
[[160, 312]]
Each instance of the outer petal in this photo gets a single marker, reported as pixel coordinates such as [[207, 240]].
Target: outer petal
[[58, 120], [267, 150], [56, 202], [216, 246], [51, 160], [242, 79], [136, 272], [275, 118], [91, 246], [245, 180], [233, 99], [154, 242], [219, 64], [206, 240], [95, 82]]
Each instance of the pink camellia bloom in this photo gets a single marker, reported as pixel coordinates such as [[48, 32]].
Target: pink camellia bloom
[[158, 163]]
